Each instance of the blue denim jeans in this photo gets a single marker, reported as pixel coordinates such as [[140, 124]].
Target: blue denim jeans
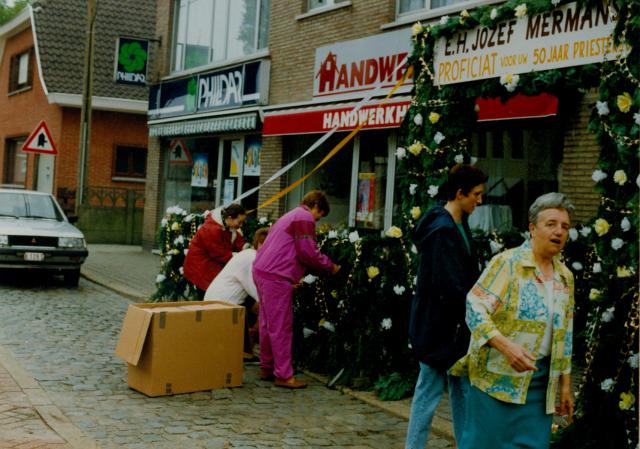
[[428, 393]]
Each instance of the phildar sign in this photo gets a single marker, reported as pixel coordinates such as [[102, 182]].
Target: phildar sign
[[349, 69], [568, 36]]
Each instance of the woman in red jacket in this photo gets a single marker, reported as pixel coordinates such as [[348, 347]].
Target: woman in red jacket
[[213, 245]]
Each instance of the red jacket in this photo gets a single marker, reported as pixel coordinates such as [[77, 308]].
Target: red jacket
[[209, 251]]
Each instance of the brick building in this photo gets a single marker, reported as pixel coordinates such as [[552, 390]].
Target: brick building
[[321, 59], [41, 78]]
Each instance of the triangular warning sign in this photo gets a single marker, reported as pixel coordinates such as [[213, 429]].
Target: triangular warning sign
[[179, 153], [40, 141]]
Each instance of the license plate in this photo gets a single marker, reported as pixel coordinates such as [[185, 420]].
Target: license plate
[[34, 257]]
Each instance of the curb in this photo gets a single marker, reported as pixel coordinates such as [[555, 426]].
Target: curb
[[439, 426], [43, 405], [125, 291]]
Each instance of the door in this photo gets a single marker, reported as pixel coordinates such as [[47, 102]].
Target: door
[[232, 168], [44, 181]]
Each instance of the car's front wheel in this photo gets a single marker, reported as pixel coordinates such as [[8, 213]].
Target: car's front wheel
[[72, 277]]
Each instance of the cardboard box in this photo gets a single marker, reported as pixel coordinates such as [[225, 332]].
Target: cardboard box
[[182, 347]]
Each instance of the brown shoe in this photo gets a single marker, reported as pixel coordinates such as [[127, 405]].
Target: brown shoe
[[266, 374], [291, 382]]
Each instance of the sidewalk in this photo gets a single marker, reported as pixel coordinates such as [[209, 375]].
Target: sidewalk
[[131, 272]]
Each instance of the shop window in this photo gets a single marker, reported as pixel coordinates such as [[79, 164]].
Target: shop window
[[15, 163], [413, 6], [522, 163], [21, 70], [130, 162], [212, 31]]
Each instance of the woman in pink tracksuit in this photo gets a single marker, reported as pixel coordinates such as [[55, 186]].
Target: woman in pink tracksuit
[[280, 264]]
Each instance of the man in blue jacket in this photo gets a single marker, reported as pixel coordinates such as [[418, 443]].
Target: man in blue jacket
[[447, 270]]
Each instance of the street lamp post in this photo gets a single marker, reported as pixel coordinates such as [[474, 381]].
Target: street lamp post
[[85, 110]]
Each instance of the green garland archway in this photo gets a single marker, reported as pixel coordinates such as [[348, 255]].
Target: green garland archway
[[605, 251]]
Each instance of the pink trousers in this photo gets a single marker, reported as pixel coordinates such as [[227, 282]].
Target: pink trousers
[[276, 324]]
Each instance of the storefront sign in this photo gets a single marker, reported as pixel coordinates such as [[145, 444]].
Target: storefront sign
[[321, 120], [131, 61], [568, 36], [230, 88], [349, 69]]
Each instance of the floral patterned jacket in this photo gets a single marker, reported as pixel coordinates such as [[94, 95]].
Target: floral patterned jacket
[[508, 299]]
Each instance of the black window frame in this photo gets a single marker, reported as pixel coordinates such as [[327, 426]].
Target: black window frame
[[14, 72], [130, 150]]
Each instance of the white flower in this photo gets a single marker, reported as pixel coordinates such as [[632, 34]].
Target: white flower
[[617, 243], [306, 332], [188, 218], [585, 231], [263, 220], [332, 234], [433, 190], [414, 249], [160, 278], [416, 28], [386, 324], [181, 270], [607, 315], [401, 153], [602, 107], [473, 160], [638, 181], [186, 251], [495, 246], [309, 279], [438, 138], [597, 267], [178, 240], [607, 385], [555, 2], [459, 159], [620, 177], [573, 234], [633, 361], [398, 289], [164, 222], [444, 20], [417, 119], [598, 175], [415, 280], [636, 118], [328, 326], [510, 81], [521, 10], [576, 266], [413, 188], [354, 236], [625, 224], [494, 14]]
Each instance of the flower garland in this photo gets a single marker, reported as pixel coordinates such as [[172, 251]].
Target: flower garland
[[603, 254]]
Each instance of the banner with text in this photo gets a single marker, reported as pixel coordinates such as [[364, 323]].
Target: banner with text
[[568, 36]]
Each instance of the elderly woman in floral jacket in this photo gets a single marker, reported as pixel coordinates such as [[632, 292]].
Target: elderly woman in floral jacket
[[520, 313]]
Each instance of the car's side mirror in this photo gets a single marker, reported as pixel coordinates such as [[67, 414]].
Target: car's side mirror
[[73, 219]]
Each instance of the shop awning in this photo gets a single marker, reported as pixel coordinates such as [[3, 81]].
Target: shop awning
[[320, 119], [242, 122], [517, 107]]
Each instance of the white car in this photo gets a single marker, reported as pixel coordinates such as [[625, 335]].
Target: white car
[[35, 234]]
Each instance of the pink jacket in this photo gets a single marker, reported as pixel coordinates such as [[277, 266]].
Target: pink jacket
[[291, 247]]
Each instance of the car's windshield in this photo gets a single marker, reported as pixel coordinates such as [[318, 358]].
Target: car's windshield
[[23, 205]]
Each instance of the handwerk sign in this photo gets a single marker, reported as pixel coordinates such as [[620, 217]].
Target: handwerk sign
[[567, 36]]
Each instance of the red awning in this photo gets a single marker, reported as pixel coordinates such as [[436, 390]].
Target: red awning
[[320, 119], [518, 106]]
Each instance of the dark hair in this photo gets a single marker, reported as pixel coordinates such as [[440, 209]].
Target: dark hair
[[259, 237], [233, 210], [317, 198], [463, 177]]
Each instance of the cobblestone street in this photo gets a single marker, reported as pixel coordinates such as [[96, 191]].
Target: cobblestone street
[[65, 339]]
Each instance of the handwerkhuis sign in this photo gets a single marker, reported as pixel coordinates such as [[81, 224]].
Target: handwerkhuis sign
[[40, 141]]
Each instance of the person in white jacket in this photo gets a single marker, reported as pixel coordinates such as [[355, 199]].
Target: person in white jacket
[[235, 285]]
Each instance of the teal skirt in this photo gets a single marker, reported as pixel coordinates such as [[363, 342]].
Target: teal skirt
[[493, 424]]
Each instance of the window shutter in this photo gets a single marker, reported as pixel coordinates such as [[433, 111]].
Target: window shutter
[[13, 72]]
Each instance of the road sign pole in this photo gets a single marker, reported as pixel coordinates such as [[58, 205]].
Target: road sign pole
[[85, 110]]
